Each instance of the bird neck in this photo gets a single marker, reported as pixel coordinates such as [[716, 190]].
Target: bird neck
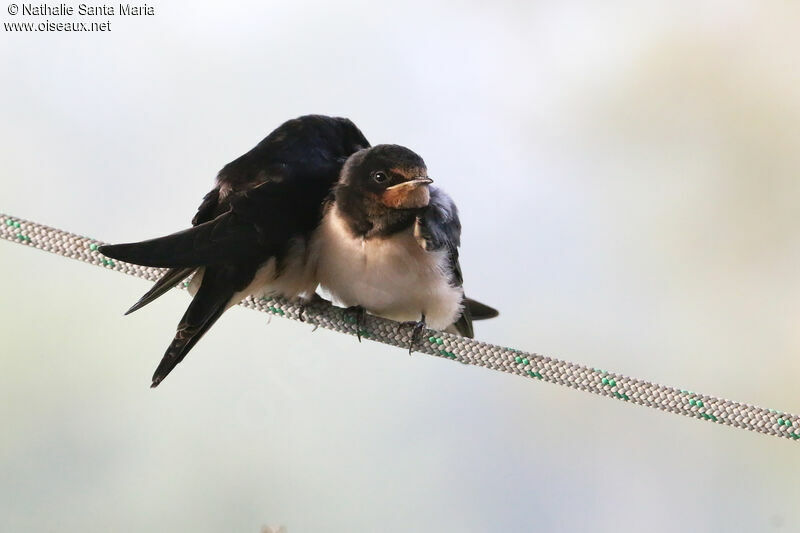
[[366, 217]]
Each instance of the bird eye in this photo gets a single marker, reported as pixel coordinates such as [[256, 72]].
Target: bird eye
[[380, 177]]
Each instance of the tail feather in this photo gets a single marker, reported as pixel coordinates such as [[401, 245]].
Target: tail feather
[[471, 311], [464, 323], [170, 278], [218, 289], [190, 330], [480, 311]]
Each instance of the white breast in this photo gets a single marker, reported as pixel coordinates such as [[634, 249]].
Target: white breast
[[391, 277]]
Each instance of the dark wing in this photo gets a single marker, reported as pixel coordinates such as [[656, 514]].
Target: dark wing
[[223, 239], [208, 207], [293, 147], [256, 225], [262, 201], [231, 248], [464, 322], [279, 157], [440, 228], [173, 276], [207, 211]]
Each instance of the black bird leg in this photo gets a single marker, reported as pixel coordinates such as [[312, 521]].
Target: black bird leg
[[311, 301], [358, 313], [416, 332]]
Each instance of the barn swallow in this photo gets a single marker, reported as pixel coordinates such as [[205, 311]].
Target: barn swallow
[[388, 243], [252, 231]]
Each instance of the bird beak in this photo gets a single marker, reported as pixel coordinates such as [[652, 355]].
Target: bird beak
[[411, 184], [408, 195]]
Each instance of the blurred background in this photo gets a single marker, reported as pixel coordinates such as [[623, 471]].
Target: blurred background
[[627, 176]]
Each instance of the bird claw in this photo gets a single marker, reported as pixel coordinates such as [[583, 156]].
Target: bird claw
[[305, 303], [359, 314], [416, 332]]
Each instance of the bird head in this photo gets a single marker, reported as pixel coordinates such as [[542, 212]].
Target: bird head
[[388, 175], [381, 188]]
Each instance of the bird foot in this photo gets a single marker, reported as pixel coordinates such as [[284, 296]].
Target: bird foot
[[305, 303], [358, 315], [416, 332]]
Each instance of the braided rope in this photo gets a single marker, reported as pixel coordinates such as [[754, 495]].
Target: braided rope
[[440, 344]]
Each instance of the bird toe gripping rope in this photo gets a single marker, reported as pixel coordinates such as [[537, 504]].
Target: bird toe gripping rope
[[464, 350]]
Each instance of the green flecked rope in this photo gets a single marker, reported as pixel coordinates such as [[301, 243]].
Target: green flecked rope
[[468, 351]]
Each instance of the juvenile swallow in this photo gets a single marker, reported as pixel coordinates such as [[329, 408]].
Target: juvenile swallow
[[388, 243], [252, 232]]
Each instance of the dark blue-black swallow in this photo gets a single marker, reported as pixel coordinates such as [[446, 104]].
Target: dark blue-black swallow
[[252, 231]]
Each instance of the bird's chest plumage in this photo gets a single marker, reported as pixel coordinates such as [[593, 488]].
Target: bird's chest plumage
[[391, 277]]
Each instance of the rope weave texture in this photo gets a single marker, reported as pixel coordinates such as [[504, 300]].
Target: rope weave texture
[[440, 344]]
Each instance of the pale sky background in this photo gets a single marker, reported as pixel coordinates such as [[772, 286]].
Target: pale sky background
[[627, 175]]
